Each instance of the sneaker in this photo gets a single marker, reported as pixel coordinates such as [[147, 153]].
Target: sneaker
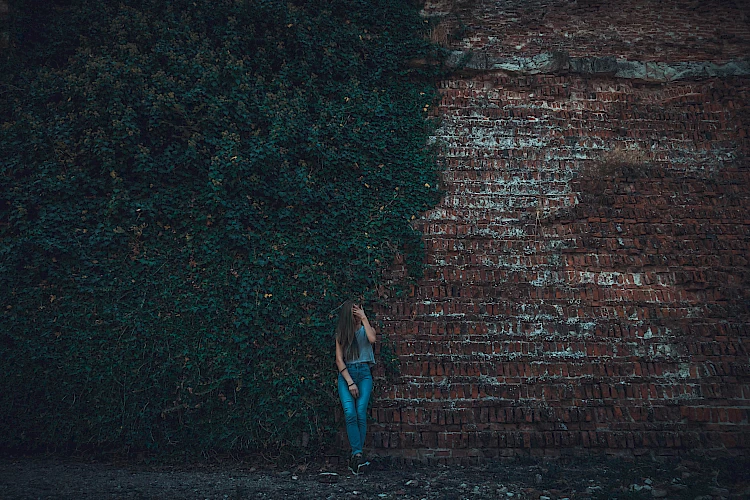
[[354, 464], [362, 464]]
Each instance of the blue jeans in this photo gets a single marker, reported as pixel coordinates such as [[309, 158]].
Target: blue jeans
[[355, 410]]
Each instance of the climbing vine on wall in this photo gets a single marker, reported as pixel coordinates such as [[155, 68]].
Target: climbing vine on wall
[[190, 188]]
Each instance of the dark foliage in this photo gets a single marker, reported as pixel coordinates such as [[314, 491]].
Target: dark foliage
[[189, 189]]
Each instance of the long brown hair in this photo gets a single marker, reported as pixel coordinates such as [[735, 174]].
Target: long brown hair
[[345, 333]]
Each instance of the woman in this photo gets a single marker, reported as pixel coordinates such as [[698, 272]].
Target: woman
[[354, 356]]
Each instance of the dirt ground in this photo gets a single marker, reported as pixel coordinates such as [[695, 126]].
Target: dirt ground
[[45, 477]]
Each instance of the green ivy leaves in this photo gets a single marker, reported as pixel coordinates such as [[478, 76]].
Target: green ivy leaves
[[199, 185]]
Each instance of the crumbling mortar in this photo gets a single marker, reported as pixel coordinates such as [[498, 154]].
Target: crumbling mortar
[[615, 269]]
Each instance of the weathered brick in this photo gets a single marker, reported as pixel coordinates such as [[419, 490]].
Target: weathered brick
[[588, 265]]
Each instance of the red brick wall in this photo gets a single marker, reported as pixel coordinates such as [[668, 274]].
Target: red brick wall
[[647, 30], [587, 282]]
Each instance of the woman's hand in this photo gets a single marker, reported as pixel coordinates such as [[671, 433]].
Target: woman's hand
[[354, 390], [358, 312]]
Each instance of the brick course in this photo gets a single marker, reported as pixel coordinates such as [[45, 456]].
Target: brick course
[[587, 270]]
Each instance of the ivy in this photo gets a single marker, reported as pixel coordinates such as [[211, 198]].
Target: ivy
[[190, 188]]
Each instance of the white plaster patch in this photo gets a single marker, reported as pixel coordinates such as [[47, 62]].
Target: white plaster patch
[[568, 353], [547, 278], [608, 278], [586, 277]]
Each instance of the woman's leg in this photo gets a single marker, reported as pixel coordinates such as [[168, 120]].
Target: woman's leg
[[350, 416], [365, 390]]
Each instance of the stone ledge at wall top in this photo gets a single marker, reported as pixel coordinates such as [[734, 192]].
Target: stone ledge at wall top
[[561, 63]]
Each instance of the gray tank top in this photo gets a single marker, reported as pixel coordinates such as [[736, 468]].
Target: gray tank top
[[366, 354]]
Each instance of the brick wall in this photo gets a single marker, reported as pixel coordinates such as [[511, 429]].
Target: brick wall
[[587, 283], [651, 30]]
